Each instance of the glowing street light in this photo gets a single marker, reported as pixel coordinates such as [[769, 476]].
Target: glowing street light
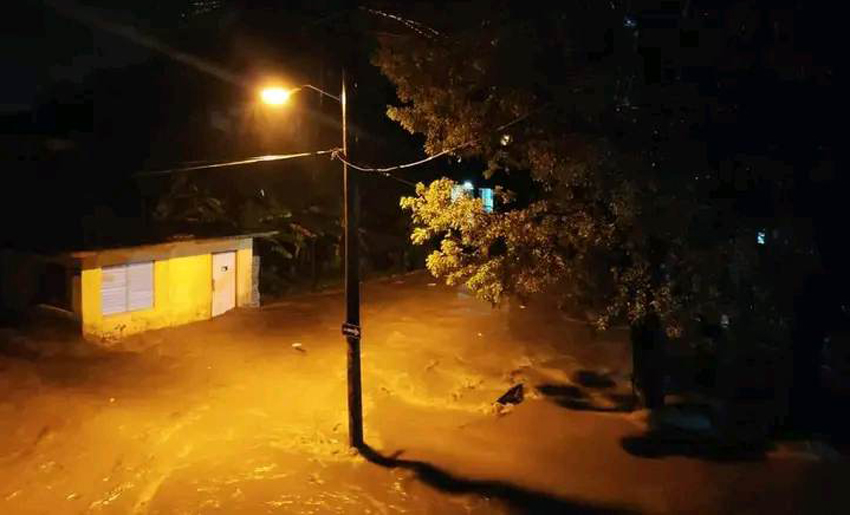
[[275, 96]]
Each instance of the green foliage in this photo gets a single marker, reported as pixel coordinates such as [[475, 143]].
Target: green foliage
[[492, 254], [188, 202], [616, 227]]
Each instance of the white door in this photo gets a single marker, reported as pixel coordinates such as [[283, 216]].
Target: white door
[[224, 282]]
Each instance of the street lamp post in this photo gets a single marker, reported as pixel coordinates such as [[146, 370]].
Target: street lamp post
[[351, 326]]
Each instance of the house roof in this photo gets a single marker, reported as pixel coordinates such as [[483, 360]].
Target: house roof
[[172, 241], [174, 247]]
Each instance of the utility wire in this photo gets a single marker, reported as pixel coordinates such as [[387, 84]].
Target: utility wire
[[337, 153], [259, 159], [415, 26]]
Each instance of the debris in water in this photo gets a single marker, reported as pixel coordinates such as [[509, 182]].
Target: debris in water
[[262, 470], [73, 496], [432, 284], [512, 396], [502, 409], [297, 346], [432, 364]]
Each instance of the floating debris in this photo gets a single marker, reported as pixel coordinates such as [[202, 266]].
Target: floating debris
[[512, 396]]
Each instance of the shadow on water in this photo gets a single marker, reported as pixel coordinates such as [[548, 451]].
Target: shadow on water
[[589, 393], [684, 429], [660, 444], [689, 431], [518, 499], [593, 379]]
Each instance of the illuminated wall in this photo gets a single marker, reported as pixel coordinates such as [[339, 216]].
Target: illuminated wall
[[182, 294]]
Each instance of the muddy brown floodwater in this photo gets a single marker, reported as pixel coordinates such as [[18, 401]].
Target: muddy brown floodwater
[[246, 414]]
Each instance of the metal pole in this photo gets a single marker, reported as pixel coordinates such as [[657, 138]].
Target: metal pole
[[351, 327]]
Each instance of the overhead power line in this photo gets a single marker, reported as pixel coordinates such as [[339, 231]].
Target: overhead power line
[[337, 154], [415, 26], [251, 160]]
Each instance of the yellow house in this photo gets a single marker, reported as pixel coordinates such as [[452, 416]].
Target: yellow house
[[122, 291]]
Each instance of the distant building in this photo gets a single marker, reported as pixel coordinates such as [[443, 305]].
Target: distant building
[[488, 198]]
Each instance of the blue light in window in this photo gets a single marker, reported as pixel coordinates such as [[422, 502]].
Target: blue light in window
[[487, 199], [761, 237]]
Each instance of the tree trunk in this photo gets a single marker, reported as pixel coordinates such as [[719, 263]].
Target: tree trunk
[[812, 317], [648, 357]]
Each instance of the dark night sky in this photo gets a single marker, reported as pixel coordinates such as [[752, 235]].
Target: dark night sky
[[43, 50], [41, 46], [123, 107]]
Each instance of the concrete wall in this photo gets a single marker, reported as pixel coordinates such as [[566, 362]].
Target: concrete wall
[[244, 274], [182, 294]]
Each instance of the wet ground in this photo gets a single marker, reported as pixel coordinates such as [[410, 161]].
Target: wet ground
[[246, 414]]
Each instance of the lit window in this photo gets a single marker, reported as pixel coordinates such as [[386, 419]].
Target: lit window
[[126, 288], [487, 198], [761, 237]]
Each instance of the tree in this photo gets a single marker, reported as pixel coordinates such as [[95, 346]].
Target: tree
[[592, 229], [644, 205]]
